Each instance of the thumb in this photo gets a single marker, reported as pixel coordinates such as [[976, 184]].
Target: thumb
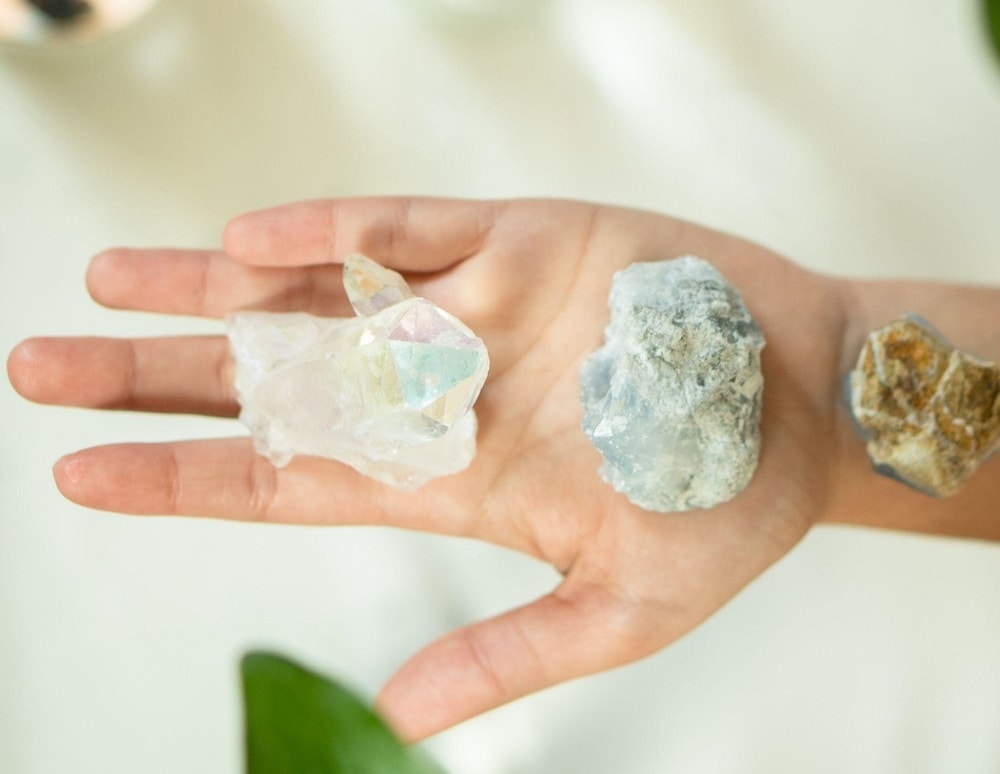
[[492, 662]]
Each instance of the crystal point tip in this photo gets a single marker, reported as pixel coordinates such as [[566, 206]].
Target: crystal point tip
[[371, 287]]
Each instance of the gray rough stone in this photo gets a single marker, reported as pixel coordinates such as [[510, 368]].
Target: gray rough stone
[[673, 398]]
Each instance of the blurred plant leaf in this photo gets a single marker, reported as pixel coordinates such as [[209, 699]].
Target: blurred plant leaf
[[992, 13], [298, 722]]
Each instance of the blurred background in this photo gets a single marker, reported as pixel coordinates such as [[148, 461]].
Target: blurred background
[[860, 137]]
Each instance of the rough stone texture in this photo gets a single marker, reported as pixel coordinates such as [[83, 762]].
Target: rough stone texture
[[930, 414], [389, 392], [673, 398]]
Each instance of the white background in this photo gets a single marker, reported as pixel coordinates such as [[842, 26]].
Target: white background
[[858, 137]]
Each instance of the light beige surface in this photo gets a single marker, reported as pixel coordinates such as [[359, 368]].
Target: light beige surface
[[857, 137]]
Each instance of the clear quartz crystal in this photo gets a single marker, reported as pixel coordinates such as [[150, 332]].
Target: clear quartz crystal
[[370, 287], [389, 392]]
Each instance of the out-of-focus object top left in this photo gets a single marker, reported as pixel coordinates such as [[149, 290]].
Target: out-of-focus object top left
[[58, 22]]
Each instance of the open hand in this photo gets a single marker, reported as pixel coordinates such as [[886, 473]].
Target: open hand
[[532, 279]]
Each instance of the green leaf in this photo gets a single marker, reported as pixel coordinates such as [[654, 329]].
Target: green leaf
[[992, 12], [298, 722]]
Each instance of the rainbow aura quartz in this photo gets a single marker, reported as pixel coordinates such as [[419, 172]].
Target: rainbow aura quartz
[[388, 392]]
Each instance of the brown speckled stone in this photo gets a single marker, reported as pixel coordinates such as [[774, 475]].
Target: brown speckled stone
[[930, 414]]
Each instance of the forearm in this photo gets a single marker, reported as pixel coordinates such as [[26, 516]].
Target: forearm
[[970, 318]]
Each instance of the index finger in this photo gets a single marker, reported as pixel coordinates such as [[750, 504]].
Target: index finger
[[415, 234]]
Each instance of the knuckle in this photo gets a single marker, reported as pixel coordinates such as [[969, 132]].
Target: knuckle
[[129, 374], [306, 291], [629, 628], [262, 487], [381, 236], [225, 371], [479, 655], [174, 484]]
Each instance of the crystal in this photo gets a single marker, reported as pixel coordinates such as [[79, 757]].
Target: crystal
[[672, 400], [929, 413], [389, 392], [370, 287]]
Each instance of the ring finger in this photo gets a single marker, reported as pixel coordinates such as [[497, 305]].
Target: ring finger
[[185, 375]]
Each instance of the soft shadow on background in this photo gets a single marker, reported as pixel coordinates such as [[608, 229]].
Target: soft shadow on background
[[201, 106], [858, 138]]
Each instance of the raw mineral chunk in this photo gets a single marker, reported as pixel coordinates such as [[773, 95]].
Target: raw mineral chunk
[[673, 398], [389, 392], [930, 414]]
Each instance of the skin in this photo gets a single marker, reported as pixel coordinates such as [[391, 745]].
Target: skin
[[532, 279]]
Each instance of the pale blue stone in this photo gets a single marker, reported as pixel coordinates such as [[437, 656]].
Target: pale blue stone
[[673, 398]]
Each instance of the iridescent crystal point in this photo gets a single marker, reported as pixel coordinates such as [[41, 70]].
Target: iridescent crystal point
[[370, 287], [389, 392]]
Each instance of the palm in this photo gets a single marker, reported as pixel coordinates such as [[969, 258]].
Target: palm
[[532, 279]]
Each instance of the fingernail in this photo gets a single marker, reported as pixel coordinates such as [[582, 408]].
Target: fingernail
[[234, 233], [68, 471]]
